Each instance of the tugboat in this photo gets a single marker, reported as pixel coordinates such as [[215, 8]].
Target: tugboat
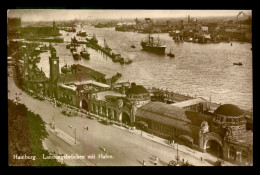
[[74, 41], [170, 54], [151, 46], [238, 64], [68, 46], [132, 46], [76, 55], [94, 40], [82, 33], [106, 47], [65, 69], [84, 54], [178, 39]]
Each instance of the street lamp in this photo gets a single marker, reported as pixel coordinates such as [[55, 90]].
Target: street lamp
[[142, 130], [177, 157], [74, 131]]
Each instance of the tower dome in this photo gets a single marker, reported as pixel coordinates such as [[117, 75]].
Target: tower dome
[[138, 95], [229, 120], [136, 89], [228, 110]]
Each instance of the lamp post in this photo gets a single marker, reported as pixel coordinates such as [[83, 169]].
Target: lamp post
[[75, 135], [177, 156]]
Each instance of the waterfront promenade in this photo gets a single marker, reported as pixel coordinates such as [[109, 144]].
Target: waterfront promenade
[[128, 143]]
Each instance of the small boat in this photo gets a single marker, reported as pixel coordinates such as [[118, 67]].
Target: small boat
[[238, 64], [170, 54], [65, 69], [132, 46], [128, 61]]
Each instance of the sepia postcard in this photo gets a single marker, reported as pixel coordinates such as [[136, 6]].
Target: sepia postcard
[[129, 87]]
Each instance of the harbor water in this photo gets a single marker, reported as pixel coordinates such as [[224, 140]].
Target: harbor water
[[201, 70]]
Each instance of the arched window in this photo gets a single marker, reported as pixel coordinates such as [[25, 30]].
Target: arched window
[[232, 153]]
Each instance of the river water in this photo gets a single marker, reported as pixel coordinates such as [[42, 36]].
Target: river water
[[201, 70]]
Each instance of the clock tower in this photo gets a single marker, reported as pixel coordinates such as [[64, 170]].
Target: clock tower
[[54, 73]]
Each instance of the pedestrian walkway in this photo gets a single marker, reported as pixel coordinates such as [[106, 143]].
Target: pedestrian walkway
[[65, 137], [195, 154]]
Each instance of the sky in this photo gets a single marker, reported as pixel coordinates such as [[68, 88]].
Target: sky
[[60, 14]]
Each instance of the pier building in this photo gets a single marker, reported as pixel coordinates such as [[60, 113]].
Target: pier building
[[223, 134]]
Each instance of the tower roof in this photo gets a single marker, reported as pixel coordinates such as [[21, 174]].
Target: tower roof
[[137, 89], [228, 110]]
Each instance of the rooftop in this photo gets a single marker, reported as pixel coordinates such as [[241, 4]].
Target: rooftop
[[166, 110], [71, 87], [82, 69], [172, 116], [92, 82], [102, 95], [190, 102], [74, 78]]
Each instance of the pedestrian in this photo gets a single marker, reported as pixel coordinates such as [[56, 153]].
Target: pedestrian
[[183, 160], [87, 128], [143, 163], [201, 159]]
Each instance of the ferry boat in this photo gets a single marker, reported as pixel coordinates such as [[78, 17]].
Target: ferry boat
[[151, 46]]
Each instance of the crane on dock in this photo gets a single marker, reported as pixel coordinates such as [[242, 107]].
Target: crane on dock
[[139, 25], [150, 28]]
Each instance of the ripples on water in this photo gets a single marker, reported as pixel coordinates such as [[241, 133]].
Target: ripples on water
[[197, 69]]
